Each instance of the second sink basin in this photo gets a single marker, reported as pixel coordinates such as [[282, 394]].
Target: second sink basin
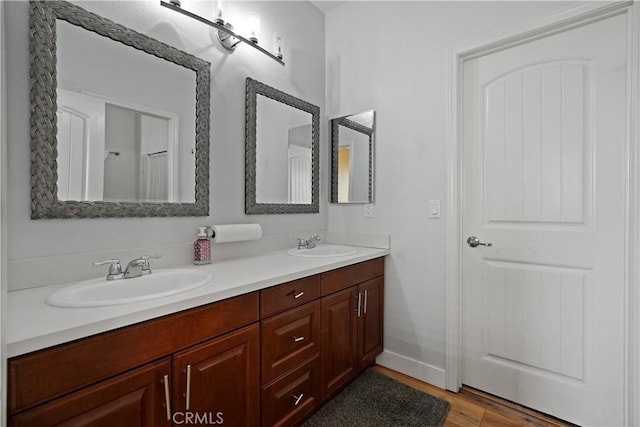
[[102, 292], [324, 251]]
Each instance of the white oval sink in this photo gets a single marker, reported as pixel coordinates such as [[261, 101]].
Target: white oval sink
[[102, 292], [324, 251]]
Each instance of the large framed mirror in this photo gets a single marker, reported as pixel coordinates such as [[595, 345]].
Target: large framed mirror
[[282, 152], [352, 163], [119, 120]]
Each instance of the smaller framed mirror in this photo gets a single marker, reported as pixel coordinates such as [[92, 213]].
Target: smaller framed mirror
[[282, 152], [352, 139]]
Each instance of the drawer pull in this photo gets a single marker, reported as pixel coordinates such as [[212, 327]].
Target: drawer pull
[[188, 387], [167, 398], [298, 339], [295, 294], [357, 310], [298, 399]]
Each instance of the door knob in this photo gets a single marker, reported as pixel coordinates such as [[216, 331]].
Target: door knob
[[473, 241]]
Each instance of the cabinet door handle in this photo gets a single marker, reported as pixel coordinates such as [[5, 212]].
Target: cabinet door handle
[[357, 310], [295, 294], [365, 301], [298, 339], [298, 399], [188, 387], [167, 398]]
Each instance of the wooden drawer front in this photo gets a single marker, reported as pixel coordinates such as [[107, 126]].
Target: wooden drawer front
[[292, 397], [134, 399], [292, 294], [289, 338], [47, 374], [342, 278]]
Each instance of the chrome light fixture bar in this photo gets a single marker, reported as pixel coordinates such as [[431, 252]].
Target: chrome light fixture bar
[[227, 37]]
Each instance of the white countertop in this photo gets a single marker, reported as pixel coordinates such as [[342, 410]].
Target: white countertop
[[34, 325]]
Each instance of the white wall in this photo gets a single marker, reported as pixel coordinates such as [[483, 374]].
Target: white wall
[[73, 243], [391, 56]]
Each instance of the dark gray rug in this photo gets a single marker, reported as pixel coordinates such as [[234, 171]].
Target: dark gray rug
[[374, 400]]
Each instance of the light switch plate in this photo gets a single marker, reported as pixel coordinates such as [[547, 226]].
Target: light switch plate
[[434, 208]]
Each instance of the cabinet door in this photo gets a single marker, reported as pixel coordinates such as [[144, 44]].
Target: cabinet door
[[218, 382], [136, 398], [370, 321], [339, 339]]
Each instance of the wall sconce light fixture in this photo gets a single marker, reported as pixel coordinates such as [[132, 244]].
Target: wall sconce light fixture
[[226, 34]]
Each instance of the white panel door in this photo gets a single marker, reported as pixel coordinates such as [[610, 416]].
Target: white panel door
[[81, 146], [544, 182]]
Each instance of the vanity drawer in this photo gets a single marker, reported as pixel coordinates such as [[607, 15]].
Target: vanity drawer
[[342, 278], [289, 338], [38, 377], [292, 294], [292, 397]]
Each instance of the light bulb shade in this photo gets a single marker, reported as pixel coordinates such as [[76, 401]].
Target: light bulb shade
[[278, 45], [253, 23], [219, 12]]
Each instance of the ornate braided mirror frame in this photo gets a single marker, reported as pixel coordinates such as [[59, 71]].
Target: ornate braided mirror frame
[[255, 88], [44, 175]]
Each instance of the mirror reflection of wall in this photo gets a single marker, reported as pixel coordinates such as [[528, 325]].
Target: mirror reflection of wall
[[283, 153], [136, 164], [352, 167]]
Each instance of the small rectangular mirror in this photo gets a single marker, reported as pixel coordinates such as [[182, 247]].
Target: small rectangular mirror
[[352, 139]]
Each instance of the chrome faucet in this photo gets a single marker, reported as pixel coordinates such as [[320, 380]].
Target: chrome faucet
[[309, 243], [136, 267]]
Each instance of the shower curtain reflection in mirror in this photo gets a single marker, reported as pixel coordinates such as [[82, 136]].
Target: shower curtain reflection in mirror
[[155, 177]]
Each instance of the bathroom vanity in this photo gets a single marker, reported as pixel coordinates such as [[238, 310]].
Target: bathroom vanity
[[269, 355]]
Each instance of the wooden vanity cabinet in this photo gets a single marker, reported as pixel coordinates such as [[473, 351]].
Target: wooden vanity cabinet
[[267, 358], [339, 328], [352, 322], [119, 377]]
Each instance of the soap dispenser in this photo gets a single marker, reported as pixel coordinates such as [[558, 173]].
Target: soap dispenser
[[202, 248]]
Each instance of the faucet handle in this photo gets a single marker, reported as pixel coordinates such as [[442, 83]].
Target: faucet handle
[[302, 242], [146, 267], [115, 269]]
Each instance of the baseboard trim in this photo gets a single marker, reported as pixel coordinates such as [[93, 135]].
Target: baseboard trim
[[414, 368]]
